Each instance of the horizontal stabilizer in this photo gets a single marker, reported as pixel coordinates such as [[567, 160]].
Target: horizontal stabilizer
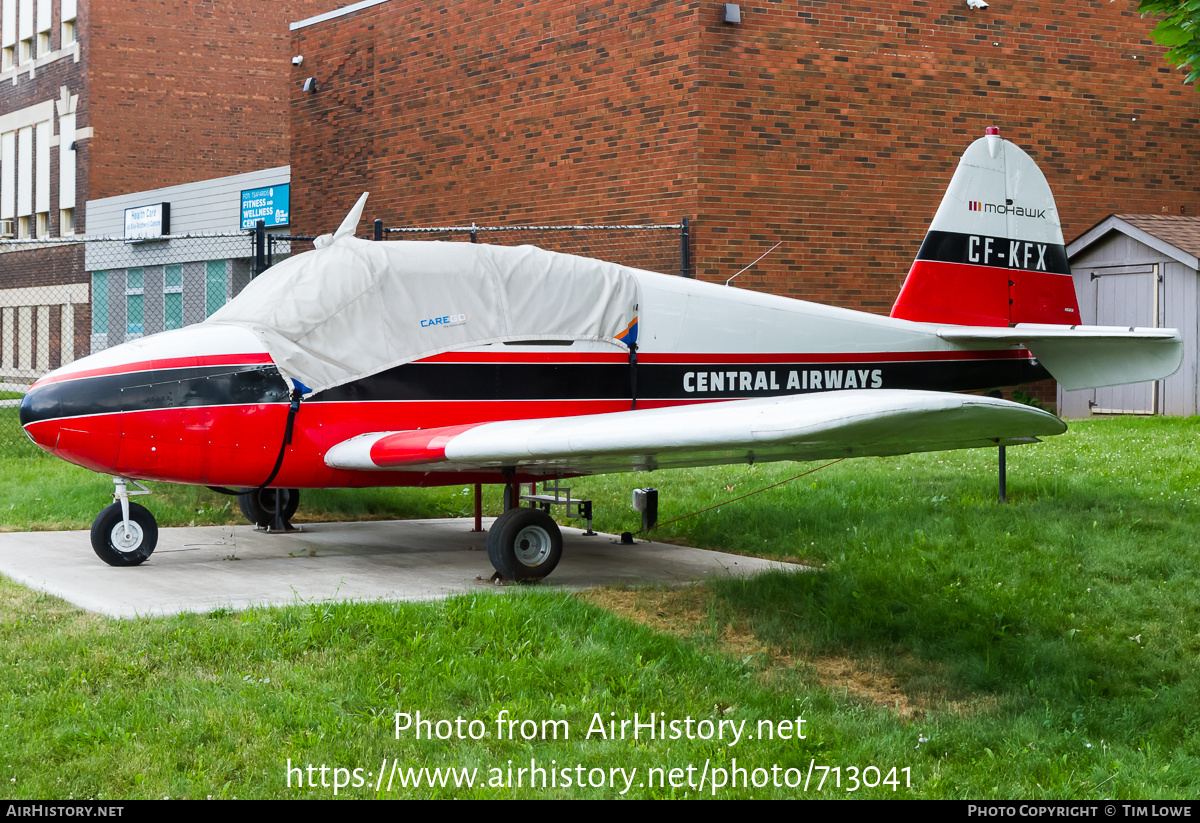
[[857, 423], [1084, 357]]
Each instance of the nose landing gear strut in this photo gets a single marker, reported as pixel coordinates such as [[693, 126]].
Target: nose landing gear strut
[[124, 533]]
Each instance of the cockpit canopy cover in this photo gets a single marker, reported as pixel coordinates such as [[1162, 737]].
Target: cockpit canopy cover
[[356, 307]]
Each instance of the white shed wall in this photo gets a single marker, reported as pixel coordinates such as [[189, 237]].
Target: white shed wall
[[1178, 293]]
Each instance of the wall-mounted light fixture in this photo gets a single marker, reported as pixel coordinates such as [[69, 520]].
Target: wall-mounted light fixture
[[731, 13], [310, 85]]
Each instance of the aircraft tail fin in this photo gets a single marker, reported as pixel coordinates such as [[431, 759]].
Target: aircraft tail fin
[[994, 254]]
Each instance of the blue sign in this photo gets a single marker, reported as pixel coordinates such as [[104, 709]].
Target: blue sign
[[270, 205]]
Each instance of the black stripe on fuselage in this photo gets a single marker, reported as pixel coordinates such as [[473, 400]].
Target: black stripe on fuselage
[[158, 389], [999, 252], [671, 381], [250, 385]]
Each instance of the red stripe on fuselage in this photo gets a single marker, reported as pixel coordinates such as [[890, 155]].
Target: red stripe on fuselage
[[751, 358]]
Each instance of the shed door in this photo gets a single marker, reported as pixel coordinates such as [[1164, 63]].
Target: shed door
[[1126, 300]]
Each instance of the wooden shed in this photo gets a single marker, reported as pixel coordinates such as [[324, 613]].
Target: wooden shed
[[1140, 270]]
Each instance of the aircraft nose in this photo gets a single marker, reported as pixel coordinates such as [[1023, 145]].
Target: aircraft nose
[[40, 414]]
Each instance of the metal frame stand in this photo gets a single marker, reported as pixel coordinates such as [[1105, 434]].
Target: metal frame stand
[[557, 495]]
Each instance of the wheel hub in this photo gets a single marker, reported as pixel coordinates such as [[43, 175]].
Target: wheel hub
[[124, 541], [533, 546]]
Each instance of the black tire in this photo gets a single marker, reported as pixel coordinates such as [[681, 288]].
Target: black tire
[[258, 505], [108, 535], [524, 544]]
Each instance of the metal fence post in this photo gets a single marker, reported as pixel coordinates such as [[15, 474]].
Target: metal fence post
[[685, 257], [378, 229], [260, 247]]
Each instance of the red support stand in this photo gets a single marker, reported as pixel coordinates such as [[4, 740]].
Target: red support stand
[[478, 507]]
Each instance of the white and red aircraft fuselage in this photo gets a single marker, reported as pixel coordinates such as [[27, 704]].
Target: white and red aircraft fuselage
[[717, 375]]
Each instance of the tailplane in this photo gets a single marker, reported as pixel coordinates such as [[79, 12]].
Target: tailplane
[[994, 254]]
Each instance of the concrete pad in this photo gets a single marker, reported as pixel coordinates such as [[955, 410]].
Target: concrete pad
[[203, 568]]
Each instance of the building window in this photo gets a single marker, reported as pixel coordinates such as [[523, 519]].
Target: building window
[[66, 222], [135, 302], [26, 51], [68, 11], [214, 287], [9, 55], [43, 224], [100, 302], [173, 297], [22, 228]]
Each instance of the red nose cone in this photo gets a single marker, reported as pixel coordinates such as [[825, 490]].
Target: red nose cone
[[992, 130], [44, 433]]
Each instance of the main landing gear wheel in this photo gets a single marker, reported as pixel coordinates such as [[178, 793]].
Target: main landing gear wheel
[[524, 544], [118, 547], [258, 505]]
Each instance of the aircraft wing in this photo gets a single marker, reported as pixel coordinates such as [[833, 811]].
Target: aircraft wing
[[852, 423]]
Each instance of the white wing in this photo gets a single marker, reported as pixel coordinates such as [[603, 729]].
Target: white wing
[[796, 427]]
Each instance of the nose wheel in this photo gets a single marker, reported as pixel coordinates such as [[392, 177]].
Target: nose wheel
[[124, 534], [124, 543]]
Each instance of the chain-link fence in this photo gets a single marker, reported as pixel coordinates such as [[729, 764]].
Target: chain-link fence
[[61, 300], [661, 248]]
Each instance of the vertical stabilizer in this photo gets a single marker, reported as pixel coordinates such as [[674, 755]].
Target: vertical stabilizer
[[994, 254]]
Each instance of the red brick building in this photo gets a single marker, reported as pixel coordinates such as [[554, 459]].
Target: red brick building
[[100, 98], [832, 126], [150, 96]]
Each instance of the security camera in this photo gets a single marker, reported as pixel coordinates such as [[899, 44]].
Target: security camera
[[977, 4], [298, 59]]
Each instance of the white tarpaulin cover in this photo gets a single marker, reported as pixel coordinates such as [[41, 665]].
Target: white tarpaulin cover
[[356, 307]]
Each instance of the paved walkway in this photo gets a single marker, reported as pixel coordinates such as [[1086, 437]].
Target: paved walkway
[[204, 568]]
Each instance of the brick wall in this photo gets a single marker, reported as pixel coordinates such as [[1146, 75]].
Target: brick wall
[[498, 113], [832, 126], [45, 85], [836, 127], [187, 90]]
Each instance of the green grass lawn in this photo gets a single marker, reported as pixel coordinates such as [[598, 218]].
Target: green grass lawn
[[1042, 649]]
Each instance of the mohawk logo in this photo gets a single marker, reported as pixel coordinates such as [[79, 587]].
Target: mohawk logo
[[1005, 208]]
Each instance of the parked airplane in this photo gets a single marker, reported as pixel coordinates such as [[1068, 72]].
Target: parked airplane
[[421, 363]]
